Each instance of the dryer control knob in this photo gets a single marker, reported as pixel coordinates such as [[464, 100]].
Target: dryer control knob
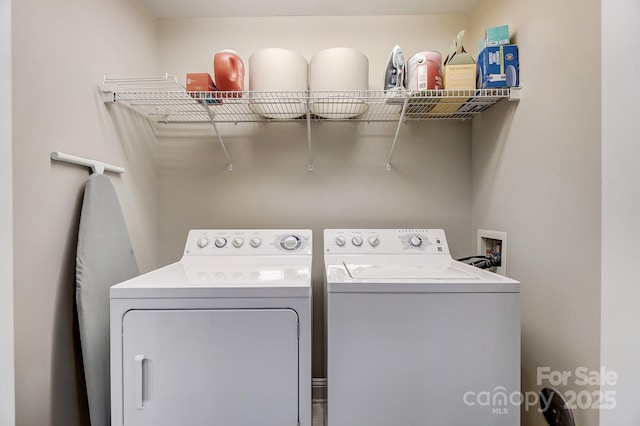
[[237, 242], [221, 242], [340, 241], [374, 241], [203, 242], [415, 241], [356, 241], [255, 242], [290, 242]]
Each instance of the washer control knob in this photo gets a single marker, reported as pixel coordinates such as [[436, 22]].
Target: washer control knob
[[356, 241], [255, 242], [221, 242], [374, 241], [237, 242], [340, 241], [203, 242], [415, 241], [290, 242]]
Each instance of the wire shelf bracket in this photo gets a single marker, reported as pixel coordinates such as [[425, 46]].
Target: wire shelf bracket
[[395, 137], [220, 141], [310, 166]]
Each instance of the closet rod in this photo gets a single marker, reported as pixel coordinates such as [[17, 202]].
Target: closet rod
[[96, 166]]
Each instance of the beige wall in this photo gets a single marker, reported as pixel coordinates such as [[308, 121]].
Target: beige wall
[[536, 175], [7, 383], [350, 186], [61, 50]]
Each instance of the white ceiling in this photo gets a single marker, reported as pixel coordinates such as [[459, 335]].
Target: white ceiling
[[252, 8]]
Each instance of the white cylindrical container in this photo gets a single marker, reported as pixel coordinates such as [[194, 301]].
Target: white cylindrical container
[[339, 70], [282, 75]]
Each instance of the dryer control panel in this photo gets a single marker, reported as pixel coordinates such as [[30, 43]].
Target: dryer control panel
[[385, 241], [248, 242]]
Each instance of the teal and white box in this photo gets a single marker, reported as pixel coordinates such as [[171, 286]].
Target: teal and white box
[[495, 36], [498, 67]]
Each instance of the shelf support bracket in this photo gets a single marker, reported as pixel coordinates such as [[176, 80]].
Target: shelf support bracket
[[514, 94], [395, 137], [309, 131], [215, 128], [108, 96]]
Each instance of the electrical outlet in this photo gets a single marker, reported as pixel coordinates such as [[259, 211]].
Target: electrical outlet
[[494, 242]]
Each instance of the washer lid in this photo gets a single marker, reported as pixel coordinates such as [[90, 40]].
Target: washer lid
[[411, 274], [394, 271]]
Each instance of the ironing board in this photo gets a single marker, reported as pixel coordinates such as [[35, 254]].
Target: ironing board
[[104, 257]]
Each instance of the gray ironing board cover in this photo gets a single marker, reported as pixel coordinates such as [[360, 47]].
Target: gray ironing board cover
[[104, 258]]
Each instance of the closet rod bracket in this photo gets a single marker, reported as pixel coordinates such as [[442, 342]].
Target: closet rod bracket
[[95, 165]]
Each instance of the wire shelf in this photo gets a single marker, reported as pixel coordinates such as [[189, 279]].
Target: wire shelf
[[165, 100]]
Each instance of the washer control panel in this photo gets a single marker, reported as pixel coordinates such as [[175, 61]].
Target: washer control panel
[[388, 241], [247, 242]]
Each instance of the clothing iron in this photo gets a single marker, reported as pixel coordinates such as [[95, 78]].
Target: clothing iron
[[395, 71]]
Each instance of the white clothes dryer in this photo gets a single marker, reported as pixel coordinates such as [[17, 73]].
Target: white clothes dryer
[[416, 338], [221, 337]]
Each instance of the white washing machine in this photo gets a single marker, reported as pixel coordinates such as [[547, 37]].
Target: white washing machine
[[416, 338], [221, 337]]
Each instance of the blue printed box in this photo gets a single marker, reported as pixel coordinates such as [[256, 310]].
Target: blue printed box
[[498, 67]]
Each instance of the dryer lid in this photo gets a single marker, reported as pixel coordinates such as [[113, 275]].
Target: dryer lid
[[218, 276]]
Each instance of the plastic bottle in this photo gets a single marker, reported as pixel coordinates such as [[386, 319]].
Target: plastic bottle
[[228, 70]]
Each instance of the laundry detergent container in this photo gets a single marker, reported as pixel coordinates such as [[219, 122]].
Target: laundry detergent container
[[338, 74], [278, 81]]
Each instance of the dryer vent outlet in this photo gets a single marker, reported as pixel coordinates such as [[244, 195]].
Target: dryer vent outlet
[[494, 243]]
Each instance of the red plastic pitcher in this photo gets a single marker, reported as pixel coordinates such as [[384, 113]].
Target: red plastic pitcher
[[228, 70]]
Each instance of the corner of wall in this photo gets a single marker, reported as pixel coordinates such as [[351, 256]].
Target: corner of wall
[[7, 384], [536, 175]]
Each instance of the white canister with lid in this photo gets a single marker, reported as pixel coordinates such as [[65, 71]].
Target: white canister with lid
[[339, 69], [282, 74]]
